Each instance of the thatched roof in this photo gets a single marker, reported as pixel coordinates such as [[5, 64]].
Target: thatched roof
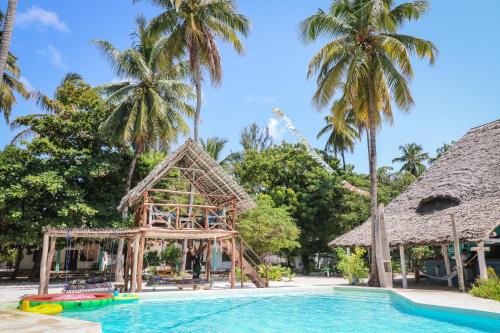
[[209, 179], [465, 181]]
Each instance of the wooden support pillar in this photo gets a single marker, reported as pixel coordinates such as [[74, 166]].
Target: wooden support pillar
[[233, 262], [43, 264], [128, 262], [119, 261], [140, 261], [208, 262], [50, 259], [403, 266], [242, 269], [348, 251], [447, 265], [481, 259], [458, 257], [135, 259]]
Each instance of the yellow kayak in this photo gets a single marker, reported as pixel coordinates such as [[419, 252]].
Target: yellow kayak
[[45, 309], [126, 298]]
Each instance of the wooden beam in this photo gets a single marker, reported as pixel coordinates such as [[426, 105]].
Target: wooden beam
[[43, 264], [133, 286], [447, 265], [233, 262], [140, 262], [403, 266], [128, 263], [481, 259], [458, 259], [119, 261], [242, 269], [208, 264]]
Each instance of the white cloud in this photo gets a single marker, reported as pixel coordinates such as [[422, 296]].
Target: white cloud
[[275, 130], [55, 57], [27, 83], [42, 18]]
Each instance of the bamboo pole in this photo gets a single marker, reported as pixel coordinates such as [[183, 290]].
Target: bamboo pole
[[43, 264], [403, 266], [242, 269], [233, 262], [447, 265], [133, 285], [458, 259]]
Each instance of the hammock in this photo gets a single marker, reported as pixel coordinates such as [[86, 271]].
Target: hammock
[[439, 278]]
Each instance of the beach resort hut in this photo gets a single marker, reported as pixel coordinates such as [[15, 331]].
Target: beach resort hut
[[462, 190], [188, 196]]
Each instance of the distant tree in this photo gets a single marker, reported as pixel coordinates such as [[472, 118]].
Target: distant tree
[[255, 138], [340, 139], [441, 150], [148, 106], [268, 229], [214, 147], [413, 158]]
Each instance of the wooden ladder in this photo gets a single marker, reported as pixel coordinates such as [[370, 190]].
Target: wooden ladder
[[250, 261]]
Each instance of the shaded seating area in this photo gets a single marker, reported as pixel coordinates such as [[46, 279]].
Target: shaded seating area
[[452, 206]]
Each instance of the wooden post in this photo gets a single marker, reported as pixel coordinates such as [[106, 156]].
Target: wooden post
[[447, 265], [348, 251], [208, 264], [403, 266], [43, 264], [119, 261], [50, 258], [242, 269], [133, 284], [458, 257], [233, 262], [481, 259], [206, 218], [145, 210], [128, 261], [140, 261]]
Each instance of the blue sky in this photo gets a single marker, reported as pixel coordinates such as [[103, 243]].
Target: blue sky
[[460, 91]]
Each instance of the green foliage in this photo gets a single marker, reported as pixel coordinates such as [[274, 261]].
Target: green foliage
[[151, 259], [238, 275], [171, 255], [268, 229], [353, 267], [413, 158], [276, 272], [487, 288]]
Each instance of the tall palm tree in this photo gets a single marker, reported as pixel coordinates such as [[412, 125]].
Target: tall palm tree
[[340, 138], [369, 62], [8, 26], [10, 83], [413, 158], [441, 150], [193, 26], [213, 147], [148, 106], [255, 138]]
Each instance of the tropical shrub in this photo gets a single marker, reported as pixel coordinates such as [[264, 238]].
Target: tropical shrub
[[487, 288], [276, 272], [238, 275], [353, 267], [171, 256]]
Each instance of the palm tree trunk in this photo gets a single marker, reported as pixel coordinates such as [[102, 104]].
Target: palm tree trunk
[[7, 34], [138, 151], [196, 136], [372, 110], [343, 159]]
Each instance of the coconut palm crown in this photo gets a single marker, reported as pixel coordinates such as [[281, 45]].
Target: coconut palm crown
[[149, 105], [413, 158]]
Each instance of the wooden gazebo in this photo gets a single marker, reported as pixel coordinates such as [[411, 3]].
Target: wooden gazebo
[[187, 196]]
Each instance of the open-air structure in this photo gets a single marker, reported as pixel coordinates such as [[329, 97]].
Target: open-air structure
[[461, 189], [188, 196]]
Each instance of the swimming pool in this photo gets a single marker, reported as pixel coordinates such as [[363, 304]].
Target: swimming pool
[[332, 311]]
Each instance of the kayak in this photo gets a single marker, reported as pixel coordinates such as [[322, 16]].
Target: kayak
[[45, 309], [126, 298], [71, 301]]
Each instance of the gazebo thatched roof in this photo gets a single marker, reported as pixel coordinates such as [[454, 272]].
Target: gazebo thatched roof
[[465, 181], [205, 174]]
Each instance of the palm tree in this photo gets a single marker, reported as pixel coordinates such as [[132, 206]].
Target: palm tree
[[47, 105], [441, 150], [193, 26], [10, 83], [148, 106], [413, 158], [255, 138], [370, 63], [7, 34], [213, 147], [340, 139]]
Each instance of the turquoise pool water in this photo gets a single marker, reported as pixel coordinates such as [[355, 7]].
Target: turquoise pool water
[[339, 311]]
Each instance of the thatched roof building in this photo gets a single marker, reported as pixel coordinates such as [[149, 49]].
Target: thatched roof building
[[465, 182], [205, 174]]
